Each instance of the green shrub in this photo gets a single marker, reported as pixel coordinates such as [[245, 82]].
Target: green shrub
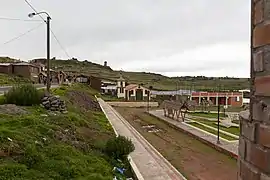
[[119, 147], [23, 95], [2, 100]]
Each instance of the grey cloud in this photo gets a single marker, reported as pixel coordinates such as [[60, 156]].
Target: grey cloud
[[123, 31]]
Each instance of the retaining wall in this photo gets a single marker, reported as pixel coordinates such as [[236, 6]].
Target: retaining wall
[[133, 104]]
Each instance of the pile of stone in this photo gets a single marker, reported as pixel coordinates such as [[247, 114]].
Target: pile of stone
[[54, 103]]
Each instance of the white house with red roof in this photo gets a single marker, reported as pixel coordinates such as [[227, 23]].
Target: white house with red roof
[[136, 92], [131, 92]]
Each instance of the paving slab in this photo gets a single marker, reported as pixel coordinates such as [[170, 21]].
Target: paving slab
[[150, 164], [230, 147]]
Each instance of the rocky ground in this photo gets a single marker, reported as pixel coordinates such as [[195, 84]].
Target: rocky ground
[[12, 109], [83, 100]]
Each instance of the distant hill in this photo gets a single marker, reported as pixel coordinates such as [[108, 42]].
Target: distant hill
[[8, 60], [158, 81]]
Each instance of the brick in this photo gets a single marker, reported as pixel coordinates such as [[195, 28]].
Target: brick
[[261, 35], [259, 157], [258, 61], [244, 115], [248, 130], [266, 59], [262, 85], [259, 13], [247, 172], [266, 9], [264, 135], [242, 147], [261, 111], [265, 177]]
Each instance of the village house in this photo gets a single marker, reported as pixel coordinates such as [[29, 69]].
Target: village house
[[109, 87], [6, 68], [22, 69], [122, 90], [136, 92], [234, 99]]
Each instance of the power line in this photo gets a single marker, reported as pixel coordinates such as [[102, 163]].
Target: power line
[[60, 44], [57, 40], [34, 10], [23, 34], [16, 19]]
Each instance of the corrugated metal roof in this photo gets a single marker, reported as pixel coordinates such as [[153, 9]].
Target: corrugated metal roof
[[22, 64], [5, 64], [178, 92]]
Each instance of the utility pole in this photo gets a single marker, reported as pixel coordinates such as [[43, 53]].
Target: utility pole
[[48, 54], [48, 44]]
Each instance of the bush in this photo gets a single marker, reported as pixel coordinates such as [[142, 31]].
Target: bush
[[23, 95], [119, 147]]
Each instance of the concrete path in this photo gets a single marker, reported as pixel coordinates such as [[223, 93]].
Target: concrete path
[[230, 147], [147, 162]]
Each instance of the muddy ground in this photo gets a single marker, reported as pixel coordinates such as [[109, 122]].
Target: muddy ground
[[192, 158]]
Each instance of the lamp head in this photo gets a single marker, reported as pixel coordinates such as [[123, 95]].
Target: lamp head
[[31, 15]]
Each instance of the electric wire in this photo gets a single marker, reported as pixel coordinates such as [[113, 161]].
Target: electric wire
[[23, 34], [17, 19], [57, 40]]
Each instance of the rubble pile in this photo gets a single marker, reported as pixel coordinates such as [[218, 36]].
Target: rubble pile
[[54, 103]]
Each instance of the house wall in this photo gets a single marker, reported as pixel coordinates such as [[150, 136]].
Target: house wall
[[254, 141], [119, 87], [95, 83], [23, 71], [133, 95], [6, 69]]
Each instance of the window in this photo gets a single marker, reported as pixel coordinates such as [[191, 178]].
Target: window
[[131, 92], [121, 90], [237, 98], [145, 92]]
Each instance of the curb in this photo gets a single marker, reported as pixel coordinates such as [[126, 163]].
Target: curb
[[133, 165], [154, 149], [220, 149]]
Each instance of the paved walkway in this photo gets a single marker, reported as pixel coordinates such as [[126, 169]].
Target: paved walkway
[[147, 163], [230, 147]]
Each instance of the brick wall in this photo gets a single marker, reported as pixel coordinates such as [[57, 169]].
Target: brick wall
[[254, 142]]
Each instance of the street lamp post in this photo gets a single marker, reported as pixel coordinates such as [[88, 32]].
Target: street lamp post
[[48, 46], [218, 141], [148, 98]]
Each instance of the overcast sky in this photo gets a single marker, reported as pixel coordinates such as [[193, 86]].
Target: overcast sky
[[172, 37]]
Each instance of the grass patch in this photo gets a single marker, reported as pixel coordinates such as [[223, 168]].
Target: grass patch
[[24, 95], [232, 130], [230, 138], [11, 80], [56, 146], [207, 115]]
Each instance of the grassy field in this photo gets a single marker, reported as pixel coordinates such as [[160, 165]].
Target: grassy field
[[232, 130], [194, 159], [212, 131], [42, 145], [207, 115], [10, 80]]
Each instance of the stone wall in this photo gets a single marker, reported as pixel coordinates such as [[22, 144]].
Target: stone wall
[[254, 142]]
